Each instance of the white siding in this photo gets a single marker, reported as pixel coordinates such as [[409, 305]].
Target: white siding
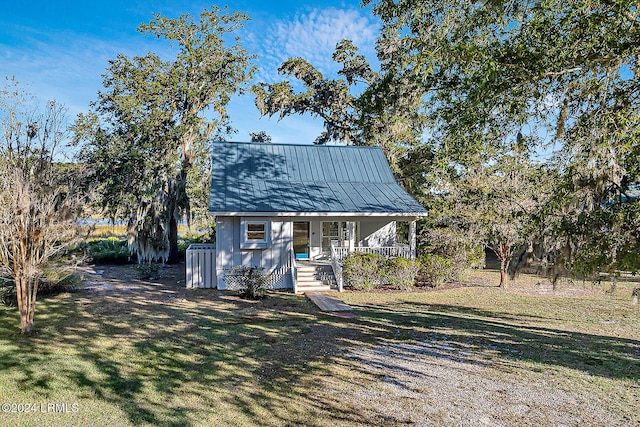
[[275, 259], [377, 233]]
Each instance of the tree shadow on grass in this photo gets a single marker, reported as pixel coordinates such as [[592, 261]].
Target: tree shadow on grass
[[166, 356], [167, 360], [502, 333]]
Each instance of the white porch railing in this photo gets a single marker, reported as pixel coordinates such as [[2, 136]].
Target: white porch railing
[[386, 251], [294, 270], [336, 266], [338, 253]]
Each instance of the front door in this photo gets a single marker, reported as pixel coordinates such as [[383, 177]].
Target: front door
[[338, 233], [301, 239]]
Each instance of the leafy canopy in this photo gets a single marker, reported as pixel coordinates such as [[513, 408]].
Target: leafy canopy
[[150, 129]]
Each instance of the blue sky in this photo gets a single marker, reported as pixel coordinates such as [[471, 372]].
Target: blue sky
[[59, 49]]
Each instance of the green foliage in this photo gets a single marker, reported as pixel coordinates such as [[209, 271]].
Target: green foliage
[[250, 281], [148, 270], [503, 78], [328, 99], [362, 270], [385, 113], [400, 272], [7, 291], [260, 136], [449, 241], [490, 205], [149, 133], [55, 280], [107, 251], [204, 235], [436, 270]]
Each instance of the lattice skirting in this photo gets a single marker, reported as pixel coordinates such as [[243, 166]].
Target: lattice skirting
[[278, 279]]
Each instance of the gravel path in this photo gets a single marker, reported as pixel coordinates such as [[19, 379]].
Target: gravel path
[[431, 383]]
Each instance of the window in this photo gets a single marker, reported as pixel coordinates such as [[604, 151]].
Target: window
[[255, 233], [337, 232]]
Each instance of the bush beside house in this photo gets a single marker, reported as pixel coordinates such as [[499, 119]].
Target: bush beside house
[[366, 271], [362, 271], [400, 273]]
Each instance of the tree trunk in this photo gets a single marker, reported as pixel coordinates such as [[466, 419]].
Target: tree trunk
[[504, 254], [173, 241], [614, 284], [505, 260], [33, 287], [26, 305], [503, 273]]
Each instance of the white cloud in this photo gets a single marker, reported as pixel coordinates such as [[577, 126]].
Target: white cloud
[[313, 36], [65, 65]]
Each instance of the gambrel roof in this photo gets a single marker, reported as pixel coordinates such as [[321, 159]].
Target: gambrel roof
[[280, 179]]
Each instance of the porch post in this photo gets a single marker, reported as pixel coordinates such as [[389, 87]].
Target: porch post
[[351, 230], [412, 238]]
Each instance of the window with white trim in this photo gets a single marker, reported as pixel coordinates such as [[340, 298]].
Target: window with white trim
[[255, 233]]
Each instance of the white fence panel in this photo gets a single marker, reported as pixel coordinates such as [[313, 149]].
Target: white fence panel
[[201, 265]]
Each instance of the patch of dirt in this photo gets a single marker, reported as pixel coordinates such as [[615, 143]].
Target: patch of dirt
[[124, 278], [434, 383], [116, 288]]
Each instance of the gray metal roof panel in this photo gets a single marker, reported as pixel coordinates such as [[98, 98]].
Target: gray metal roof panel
[[254, 177]]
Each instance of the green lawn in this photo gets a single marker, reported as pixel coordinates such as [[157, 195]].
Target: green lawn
[[142, 353]]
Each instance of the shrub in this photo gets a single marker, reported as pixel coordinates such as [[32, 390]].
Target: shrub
[[400, 272], [108, 251], [148, 271], [250, 281], [452, 244], [435, 270], [362, 270], [54, 281], [59, 279], [7, 291], [189, 238]]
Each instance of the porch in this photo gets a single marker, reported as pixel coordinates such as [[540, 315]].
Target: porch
[[327, 238], [319, 248]]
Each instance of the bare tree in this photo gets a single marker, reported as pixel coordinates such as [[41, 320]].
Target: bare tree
[[39, 198]]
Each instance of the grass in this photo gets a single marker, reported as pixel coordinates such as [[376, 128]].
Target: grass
[[131, 352]]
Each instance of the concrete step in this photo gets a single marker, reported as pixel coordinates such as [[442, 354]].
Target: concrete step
[[315, 278], [315, 269]]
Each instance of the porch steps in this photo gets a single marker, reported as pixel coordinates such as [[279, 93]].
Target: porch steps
[[315, 278]]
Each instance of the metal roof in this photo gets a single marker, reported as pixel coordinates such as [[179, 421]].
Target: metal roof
[[280, 179]]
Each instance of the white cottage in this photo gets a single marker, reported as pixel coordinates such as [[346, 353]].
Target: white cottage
[[296, 210]]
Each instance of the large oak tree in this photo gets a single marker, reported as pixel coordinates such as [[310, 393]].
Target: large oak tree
[[562, 74], [152, 124]]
